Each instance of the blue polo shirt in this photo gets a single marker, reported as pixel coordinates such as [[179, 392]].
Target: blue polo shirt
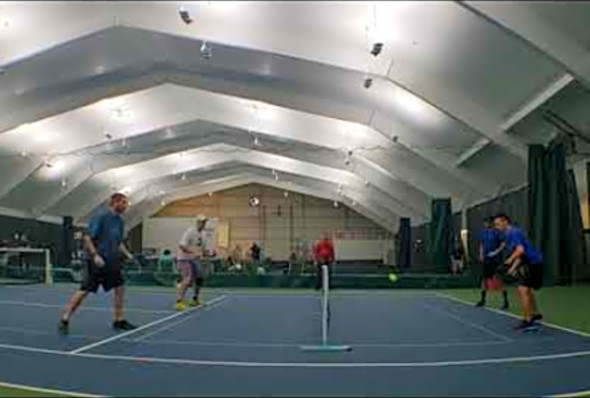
[[491, 239], [515, 237], [106, 231]]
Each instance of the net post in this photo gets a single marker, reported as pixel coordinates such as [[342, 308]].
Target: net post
[[48, 268], [325, 287]]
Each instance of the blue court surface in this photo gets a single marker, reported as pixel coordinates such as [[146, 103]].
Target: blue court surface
[[415, 343]]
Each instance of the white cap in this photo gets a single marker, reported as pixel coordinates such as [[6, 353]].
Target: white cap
[[202, 217]]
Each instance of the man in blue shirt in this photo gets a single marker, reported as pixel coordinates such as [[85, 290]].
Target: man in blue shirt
[[491, 245], [103, 244], [525, 263]]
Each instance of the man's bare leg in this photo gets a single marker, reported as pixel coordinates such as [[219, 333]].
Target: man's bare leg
[[75, 302], [118, 301], [526, 300]]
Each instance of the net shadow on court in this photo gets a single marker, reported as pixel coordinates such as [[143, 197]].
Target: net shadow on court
[[249, 343]]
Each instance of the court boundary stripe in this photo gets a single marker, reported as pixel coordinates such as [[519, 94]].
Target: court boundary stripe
[[572, 394], [146, 326], [210, 305], [293, 345], [198, 362], [511, 315], [48, 390], [472, 325], [468, 362]]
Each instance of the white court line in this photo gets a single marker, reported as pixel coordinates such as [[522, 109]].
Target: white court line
[[551, 325], [82, 308], [469, 323], [39, 333], [286, 345], [572, 394], [47, 390], [209, 306], [139, 329], [471, 362]]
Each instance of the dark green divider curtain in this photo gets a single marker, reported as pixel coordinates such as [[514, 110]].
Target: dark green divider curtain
[[554, 213], [441, 234], [536, 179], [575, 247], [404, 243]]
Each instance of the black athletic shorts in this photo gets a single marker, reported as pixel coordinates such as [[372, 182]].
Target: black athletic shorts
[[110, 276], [490, 266], [530, 275]]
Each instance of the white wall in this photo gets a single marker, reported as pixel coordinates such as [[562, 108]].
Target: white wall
[[362, 249], [165, 233]]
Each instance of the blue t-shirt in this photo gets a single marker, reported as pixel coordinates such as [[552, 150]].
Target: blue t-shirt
[[106, 231], [491, 239], [515, 237]]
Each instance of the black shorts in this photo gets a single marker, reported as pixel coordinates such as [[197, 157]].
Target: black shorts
[[490, 266], [530, 275], [110, 276]]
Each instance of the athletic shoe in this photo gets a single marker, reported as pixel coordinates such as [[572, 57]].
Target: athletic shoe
[[525, 325], [63, 327], [537, 318], [506, 306], [194, 303], [123, 325], [180, 306], [480, 304]]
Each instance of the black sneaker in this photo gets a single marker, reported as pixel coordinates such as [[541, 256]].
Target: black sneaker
[[63, 327], [524, 326], [123, 325], [480, 304], [537, 318]]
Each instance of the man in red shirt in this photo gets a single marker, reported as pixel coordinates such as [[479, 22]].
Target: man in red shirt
[[323, 253]]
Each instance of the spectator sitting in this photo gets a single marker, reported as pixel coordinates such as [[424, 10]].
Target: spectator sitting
[[166, 263]]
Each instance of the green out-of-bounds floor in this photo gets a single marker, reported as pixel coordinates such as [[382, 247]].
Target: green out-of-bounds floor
[[567, 306], [8, 390]]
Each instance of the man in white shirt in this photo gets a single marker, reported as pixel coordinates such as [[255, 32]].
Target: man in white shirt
[[191, 250]]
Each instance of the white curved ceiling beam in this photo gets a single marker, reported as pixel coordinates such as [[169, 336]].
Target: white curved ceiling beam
[[287, 124], [198, 134], [172, 167], [529, 107], [445, 98], [336, 90], [520, 20]]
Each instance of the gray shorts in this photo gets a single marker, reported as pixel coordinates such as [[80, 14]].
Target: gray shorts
[[192, 269]]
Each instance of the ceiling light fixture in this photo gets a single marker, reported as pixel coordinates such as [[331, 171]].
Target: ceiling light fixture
[[336, 204], [205, 50], [253, 201], [185, 16], [376, 49], [367, 83]]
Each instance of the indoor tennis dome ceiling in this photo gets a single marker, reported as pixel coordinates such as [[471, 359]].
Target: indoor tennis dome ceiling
[[169, 100]]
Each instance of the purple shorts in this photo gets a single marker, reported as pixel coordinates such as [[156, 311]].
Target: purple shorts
[[191, 269]]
